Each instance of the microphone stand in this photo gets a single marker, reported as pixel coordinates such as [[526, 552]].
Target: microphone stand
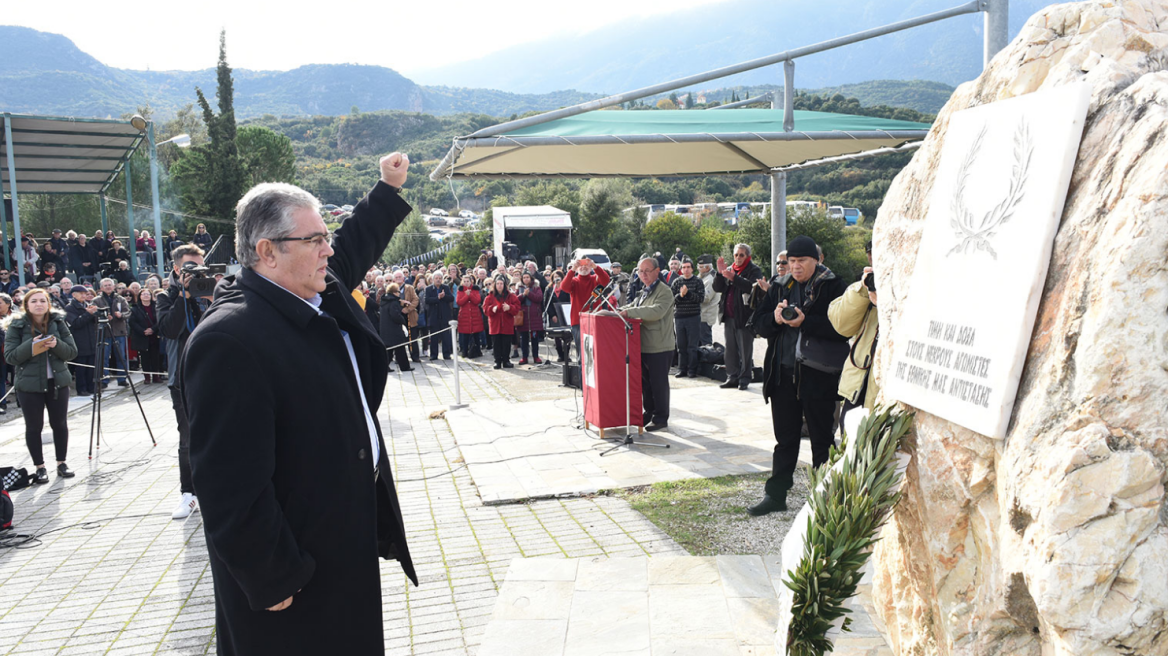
[[628, 440]]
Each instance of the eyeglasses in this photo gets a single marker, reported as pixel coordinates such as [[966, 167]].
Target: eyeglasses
[[782, 263], [316, 241]]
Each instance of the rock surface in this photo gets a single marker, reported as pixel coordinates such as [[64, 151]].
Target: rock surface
[[1054, 540]]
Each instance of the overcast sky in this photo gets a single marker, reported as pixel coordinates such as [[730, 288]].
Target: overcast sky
[[405, 36]]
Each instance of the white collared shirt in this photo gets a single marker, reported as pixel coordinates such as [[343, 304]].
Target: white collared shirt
[[314, 303]]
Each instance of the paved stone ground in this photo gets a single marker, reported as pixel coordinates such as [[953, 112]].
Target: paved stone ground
[[110, 572], [116, 575]]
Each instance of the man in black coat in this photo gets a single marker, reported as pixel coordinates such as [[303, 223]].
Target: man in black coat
[[735, 283], [282, 381], [79, 314], [82, 259], [804, 358]]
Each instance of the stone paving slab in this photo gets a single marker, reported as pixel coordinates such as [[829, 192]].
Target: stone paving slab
[[539, 449], [653, 606]]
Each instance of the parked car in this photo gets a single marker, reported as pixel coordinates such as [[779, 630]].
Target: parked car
[[836, 212], [338, 212], [466, 214], [437, 235], [436, 221], [439, 212], [328, 208], [347, 208]]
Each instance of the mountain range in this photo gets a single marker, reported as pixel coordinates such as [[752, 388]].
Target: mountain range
[[46, 73], [638, 53]]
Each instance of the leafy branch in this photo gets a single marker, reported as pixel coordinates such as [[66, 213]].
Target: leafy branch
[[848, 507], [977, 234]]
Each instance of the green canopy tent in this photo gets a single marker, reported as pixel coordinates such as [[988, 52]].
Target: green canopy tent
[[671, 143]]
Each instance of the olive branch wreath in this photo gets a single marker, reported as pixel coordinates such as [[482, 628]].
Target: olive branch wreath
[[973, 233]]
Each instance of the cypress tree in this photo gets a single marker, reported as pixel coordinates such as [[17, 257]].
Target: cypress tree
[[225, 176]]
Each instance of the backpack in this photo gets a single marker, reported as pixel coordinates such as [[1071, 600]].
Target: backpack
[[14, 479], [6, 511]]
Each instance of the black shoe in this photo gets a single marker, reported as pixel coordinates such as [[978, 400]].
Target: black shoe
[[767, 506], [122, 383], [405, 369], [680, 374], [415, 360], [693, 374], [744, 386], [63, 471], [508, 365], [656, 426], [498, 366], [41, 476], [730, 384]]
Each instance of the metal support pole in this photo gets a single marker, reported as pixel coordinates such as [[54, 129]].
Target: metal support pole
[[104, 214], [789, 95], [130, 220], [457, 383], [4, 228], [154, 197], [997, 28], [778, 217], [15, 199]]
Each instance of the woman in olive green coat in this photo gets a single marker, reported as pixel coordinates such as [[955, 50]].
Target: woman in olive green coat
[[41, 380]]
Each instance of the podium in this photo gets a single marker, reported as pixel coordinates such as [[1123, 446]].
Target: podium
[[608, 394]]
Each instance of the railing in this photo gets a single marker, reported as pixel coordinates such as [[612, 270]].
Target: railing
[[222, 251]]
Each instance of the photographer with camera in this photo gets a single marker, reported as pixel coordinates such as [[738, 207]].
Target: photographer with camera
[[854, 315], [582, 280], [802, 368], [179, 310], [117, 311]]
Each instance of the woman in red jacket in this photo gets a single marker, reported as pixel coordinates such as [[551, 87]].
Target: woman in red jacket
[[501, 306], [470, 321]]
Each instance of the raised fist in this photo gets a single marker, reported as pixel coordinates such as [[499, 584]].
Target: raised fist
[[394, 167]]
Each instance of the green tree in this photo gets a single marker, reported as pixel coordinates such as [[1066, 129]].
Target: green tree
[[712, 241], [668, 232], [211, 177], [666, 103], [601, 203], [411, 238], [628, 241], [755, 231], [468, 247], [266, 155]]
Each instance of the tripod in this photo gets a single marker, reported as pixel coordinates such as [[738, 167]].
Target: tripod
[[627, 441], [98, 375]]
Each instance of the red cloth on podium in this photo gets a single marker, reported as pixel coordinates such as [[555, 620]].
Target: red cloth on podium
[[602, 371]]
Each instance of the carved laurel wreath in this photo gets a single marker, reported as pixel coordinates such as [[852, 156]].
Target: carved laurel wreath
[[975, 232]]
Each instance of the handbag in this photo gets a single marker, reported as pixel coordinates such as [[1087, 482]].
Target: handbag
[[820, 354], [14, 479]]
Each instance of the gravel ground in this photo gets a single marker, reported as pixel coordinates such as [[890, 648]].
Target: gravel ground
[[708, 517]]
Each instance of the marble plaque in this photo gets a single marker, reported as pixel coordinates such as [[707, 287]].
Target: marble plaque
[[961, 341]]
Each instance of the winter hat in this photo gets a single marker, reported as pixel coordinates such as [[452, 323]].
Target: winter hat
[[802, 246]]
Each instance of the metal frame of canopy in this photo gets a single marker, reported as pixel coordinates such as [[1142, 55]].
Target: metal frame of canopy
[[62, 155], [996, 37]]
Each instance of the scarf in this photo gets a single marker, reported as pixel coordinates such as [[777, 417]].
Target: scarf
[[739, 269]]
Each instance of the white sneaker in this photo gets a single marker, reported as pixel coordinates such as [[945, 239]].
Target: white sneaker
[[185, 507]]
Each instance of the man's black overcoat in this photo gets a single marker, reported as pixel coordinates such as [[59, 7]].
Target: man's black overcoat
[[282, 460]]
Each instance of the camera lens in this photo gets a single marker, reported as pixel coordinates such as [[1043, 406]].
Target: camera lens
[[789, 314]]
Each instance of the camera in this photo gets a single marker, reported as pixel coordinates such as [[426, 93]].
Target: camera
[[870, 282], [202, 277], [789, 313], [103, 314]]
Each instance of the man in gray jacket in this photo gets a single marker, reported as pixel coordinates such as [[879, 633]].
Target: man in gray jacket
[[116, 332], [653, 305]]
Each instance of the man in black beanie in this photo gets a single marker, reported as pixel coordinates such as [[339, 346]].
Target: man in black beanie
[[804, 358]]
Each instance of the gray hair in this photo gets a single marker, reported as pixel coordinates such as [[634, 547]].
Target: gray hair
[[265, 212], [105, 280], [656, 264], [745, 246]]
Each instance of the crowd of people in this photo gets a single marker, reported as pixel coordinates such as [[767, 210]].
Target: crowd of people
[[89, 259]]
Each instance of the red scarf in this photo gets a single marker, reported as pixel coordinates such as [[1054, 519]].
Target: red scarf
[[738, 269]]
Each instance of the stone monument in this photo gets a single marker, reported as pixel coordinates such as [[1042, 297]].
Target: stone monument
[[1053, 539]]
